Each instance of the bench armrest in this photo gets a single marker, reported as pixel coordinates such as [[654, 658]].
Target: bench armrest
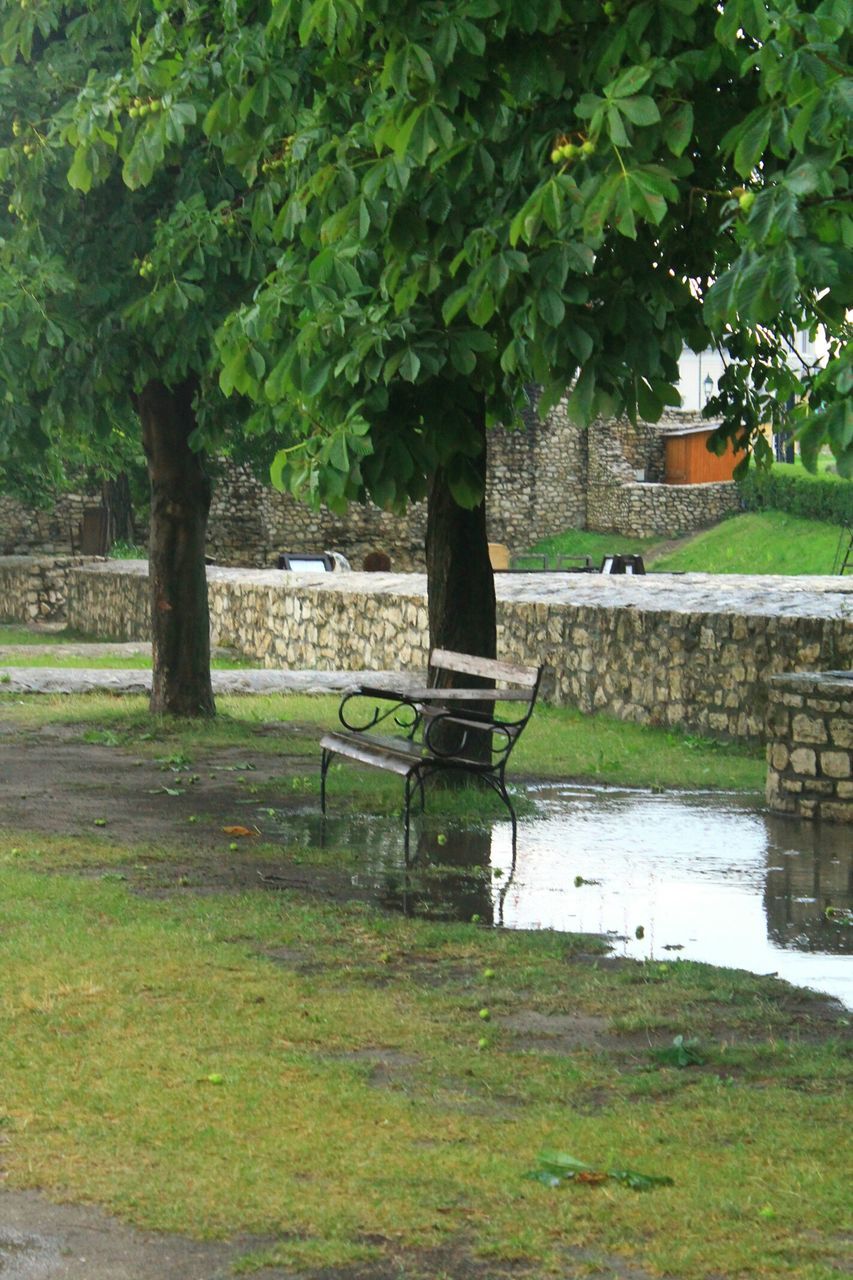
[[381, 703], [447, 734]]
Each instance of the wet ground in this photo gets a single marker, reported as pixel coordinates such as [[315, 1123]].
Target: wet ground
[[699, 876], [661, 876]]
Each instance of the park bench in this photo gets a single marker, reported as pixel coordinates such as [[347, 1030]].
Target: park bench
[[438, 728]]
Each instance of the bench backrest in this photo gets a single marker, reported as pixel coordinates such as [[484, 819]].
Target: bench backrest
[[485, 669]]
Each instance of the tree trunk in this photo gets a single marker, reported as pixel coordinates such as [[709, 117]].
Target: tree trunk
[[180, 500], [460, 581], [461, 584], [117, 502]]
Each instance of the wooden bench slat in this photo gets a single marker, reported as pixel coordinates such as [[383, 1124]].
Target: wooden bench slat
[[488, 668], [369, 751], [433, 693]]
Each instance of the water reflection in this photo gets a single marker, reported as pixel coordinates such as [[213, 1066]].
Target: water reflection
[[695, 876]]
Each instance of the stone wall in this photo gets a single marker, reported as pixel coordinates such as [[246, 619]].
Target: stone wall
[[626, 493], [690, 650], [810, 745], [27, 531], [34, 589], [662, 510], [543, 478], [536, 488]]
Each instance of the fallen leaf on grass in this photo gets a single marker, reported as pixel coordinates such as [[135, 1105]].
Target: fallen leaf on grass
[[555, 1168], [166, 791], [241, 831], [681, 1053]]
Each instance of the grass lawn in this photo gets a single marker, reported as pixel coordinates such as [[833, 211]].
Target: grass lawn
[[771, 542], [45, 649], [559, 742], [327, 1075], [367, 1092]]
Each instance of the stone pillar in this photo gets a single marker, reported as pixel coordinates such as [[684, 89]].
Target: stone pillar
[[810, 745]]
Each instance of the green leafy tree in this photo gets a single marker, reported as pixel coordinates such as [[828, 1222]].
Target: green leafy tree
[[482, 195], [124, 243]]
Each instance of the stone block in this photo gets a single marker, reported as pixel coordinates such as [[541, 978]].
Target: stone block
[[836, 812], [804, 761], [841, 732], [777, 755], [808, 729], [791, 785], [835, 764]]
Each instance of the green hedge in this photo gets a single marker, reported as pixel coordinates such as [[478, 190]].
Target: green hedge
[[812, 497]]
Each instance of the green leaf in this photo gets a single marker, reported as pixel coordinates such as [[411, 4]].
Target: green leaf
[[315, 378], [454, 304], [401, 139], [628, 82], [752, 140], [580, 343], [551, 308], [79, 175], [640, 109], [649, 405], [409, 366], [679, 129], [615, 128], [581, 398]]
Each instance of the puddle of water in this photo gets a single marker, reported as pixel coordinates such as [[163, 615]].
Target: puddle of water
[[697, 877]]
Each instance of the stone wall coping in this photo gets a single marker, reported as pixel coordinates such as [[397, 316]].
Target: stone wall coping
[[837, 681], [57, 562], [743, 595], [668, 486]]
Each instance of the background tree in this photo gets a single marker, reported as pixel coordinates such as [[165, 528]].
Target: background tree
[[124, 242]]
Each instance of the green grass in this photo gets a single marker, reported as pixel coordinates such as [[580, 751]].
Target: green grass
[[584, 542], [263, 1064], [12, 635], [559, 742], [105, 661], [772, 542]]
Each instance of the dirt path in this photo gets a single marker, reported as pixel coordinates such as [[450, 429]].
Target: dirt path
[[40, 1240]]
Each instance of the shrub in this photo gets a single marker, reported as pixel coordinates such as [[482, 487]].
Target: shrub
[[827, 498]]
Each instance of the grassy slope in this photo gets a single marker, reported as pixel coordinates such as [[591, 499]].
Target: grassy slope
[[771, 542]]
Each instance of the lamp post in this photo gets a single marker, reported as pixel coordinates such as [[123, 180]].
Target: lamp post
[[708, 386]]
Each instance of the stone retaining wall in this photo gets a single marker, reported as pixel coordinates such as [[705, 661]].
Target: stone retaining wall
[[690, 650], [810, 745], [42, 531], [642, 510], [34, 589]]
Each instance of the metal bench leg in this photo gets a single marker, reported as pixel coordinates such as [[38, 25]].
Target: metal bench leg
[[324, 769], [407, 799]]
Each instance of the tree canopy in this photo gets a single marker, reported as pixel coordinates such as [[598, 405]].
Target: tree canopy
[[380, 223], [481, 195]]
